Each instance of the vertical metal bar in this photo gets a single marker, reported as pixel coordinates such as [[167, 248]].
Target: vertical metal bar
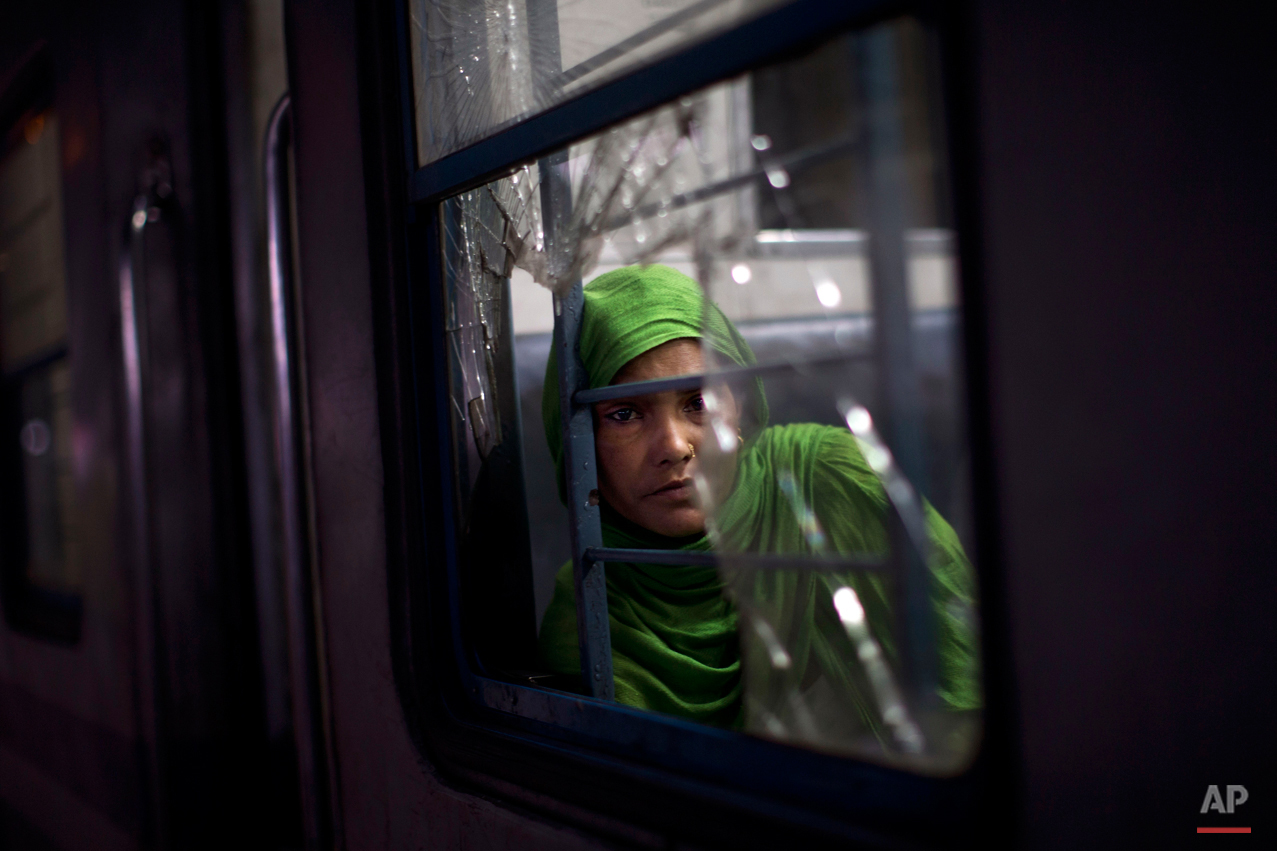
[[888, 196], [132, 332], [594, 635], [298, 597]]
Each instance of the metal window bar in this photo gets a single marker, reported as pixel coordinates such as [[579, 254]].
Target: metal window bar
[[748, 561], [693, 380], [594, 636], [664, 25], [888, 217]]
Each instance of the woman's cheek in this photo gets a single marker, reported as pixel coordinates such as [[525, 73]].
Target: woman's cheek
[[614, 446]]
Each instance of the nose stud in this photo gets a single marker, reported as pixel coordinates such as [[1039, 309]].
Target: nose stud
[[692, 447]]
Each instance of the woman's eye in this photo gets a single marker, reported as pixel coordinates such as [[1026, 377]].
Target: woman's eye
[[623, 415], [696, 403]]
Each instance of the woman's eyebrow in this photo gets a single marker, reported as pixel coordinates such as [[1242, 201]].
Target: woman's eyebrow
[[624, 402]]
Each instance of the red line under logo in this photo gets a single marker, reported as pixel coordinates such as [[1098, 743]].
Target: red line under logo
[[1223, 830]]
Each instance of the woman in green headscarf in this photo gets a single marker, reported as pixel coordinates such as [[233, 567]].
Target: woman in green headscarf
[[798, 489]]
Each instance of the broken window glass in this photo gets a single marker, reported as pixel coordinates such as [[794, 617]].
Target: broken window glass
[[480, 65], [828, 459]]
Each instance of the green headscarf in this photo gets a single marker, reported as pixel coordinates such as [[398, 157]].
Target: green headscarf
[[675, 642], [629, 311]]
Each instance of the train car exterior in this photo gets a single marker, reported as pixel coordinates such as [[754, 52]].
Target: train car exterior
[[278, 286]]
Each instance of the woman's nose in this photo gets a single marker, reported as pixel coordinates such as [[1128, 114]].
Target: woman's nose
[[673, 441]]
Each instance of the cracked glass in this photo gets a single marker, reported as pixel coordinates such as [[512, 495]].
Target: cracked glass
[[481, 65], [804, 208]]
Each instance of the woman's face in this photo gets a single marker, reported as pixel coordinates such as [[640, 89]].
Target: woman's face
[[646, 445]]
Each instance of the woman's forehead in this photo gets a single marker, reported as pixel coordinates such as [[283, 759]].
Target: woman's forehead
[[682, 356]]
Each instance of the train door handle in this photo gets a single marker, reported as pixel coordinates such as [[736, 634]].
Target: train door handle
[[154, 206], [288, 422]]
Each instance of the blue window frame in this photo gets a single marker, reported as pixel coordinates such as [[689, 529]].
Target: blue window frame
[[487, 724]]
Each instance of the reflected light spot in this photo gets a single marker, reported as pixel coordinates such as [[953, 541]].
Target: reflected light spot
[[36, 437], [778, 177], [741, 273], [726, 436], [859, 420], [761, 142], [848, 605], [139, 220], [829, 294]]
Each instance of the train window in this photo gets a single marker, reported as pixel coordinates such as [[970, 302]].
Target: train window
[[484, 65], [707, 498], [765, 534], [41, 579]]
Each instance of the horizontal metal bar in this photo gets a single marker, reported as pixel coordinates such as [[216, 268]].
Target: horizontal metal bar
[[673, 557], [757, 561], [691, 382], [616, 51], [806, 243], [919, 242], [764, 39], [810, 243], [795, 162]]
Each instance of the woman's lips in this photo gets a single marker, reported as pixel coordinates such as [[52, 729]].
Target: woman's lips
[[680, 489]]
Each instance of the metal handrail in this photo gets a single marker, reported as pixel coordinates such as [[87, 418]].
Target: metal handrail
[[299, 611], [147, 208]]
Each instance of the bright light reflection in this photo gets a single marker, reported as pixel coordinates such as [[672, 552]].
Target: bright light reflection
[[848, 605], [741, 273], [778, 177], [879, 457], [761, 142], [829, 294], [726, 436], [859, 420]]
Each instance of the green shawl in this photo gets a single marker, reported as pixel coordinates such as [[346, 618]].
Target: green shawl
[[675, 642]]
